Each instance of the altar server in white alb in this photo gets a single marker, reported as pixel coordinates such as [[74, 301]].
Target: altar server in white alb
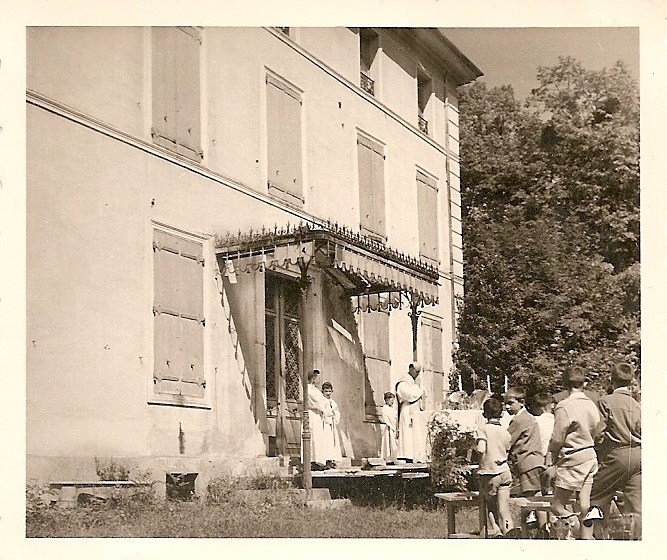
[[331, 427], [389, 421], [411, 397]]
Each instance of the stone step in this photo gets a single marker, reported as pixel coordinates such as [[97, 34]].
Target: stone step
[[329, 504]]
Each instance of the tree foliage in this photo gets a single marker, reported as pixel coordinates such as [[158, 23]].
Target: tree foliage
[[551, 227]]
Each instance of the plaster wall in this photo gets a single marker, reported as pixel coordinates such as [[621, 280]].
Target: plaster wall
[[93, 200]]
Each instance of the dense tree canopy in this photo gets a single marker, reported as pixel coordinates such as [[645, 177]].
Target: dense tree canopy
[[551, 227]]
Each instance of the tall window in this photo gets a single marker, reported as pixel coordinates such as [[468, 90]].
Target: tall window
[[283, 108], [283, 363], [176, 90], [178, 312], [375, 344], [424, 92], [433, 371], [368, 47], [371, 187], [427, 209]]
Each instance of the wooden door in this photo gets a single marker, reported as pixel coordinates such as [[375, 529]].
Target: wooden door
[[283, 365]]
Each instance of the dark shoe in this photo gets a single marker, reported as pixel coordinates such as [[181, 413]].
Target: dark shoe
[[513, 533]]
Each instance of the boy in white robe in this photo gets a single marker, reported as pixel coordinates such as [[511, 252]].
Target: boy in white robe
[[331, 422], [389, 421]]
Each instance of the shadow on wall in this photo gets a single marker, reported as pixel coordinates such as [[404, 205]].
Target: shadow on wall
[[344, 367], [239, 300]]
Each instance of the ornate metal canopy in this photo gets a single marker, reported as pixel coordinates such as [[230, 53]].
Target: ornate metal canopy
[[362, 265]]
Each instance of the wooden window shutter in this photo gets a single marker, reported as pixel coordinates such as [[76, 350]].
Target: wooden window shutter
[[427, 210], [378, 364], [178, 315], [378, 193], [431, 358], [436, 346], [164, 83], [188, 106], [371, 186], [192, 358], [283, 106], [176, 90]]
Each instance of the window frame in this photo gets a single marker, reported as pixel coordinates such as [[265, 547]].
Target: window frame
[[155, 396], [383, 361], [426, 181], [160, 133], [374, 224], [425, 92], [432, 365], [278, 189]]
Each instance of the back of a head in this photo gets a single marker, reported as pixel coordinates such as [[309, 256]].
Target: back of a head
[[542, 401], [574, 378], [492, 408], [313, 374], [622, 374]]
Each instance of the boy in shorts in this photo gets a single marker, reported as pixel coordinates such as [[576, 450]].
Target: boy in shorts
[[495, 479], [571, 447], [526, 445]]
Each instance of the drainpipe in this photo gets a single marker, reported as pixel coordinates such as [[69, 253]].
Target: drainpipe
[[305, 285]]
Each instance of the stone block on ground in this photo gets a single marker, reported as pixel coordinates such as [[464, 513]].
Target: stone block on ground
[[329, 504]]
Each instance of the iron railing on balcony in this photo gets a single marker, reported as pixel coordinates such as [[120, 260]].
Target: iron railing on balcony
[[367, 84], [423, 124]]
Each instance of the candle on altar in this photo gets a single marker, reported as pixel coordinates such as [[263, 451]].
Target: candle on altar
[[460, 383], [506, 384], [488, 382]]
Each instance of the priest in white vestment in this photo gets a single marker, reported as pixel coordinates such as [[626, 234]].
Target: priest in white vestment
[[411, 398]]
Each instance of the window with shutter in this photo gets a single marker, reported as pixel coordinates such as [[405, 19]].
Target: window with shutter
[[178, 276], [432, 363], [176, 90], [427, 211], [424, 93], [375, 344], [283, 125], [371, 187], [368, 48]]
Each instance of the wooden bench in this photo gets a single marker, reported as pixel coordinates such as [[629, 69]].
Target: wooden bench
[[454, 500]]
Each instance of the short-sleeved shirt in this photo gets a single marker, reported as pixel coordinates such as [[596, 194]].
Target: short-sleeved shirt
[[494, 460], [575, 422]]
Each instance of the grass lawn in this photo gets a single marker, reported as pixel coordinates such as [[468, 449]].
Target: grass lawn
[[229, 520]]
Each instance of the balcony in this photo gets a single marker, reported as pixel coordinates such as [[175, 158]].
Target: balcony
[[423, 124], [367, 84]]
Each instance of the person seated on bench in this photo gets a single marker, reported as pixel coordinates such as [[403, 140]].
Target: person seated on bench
[[495, 479]]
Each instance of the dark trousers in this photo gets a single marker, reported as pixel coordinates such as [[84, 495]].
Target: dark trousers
[[620, 469]]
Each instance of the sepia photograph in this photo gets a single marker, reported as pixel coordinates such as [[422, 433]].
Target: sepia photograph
[[332, 282]]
